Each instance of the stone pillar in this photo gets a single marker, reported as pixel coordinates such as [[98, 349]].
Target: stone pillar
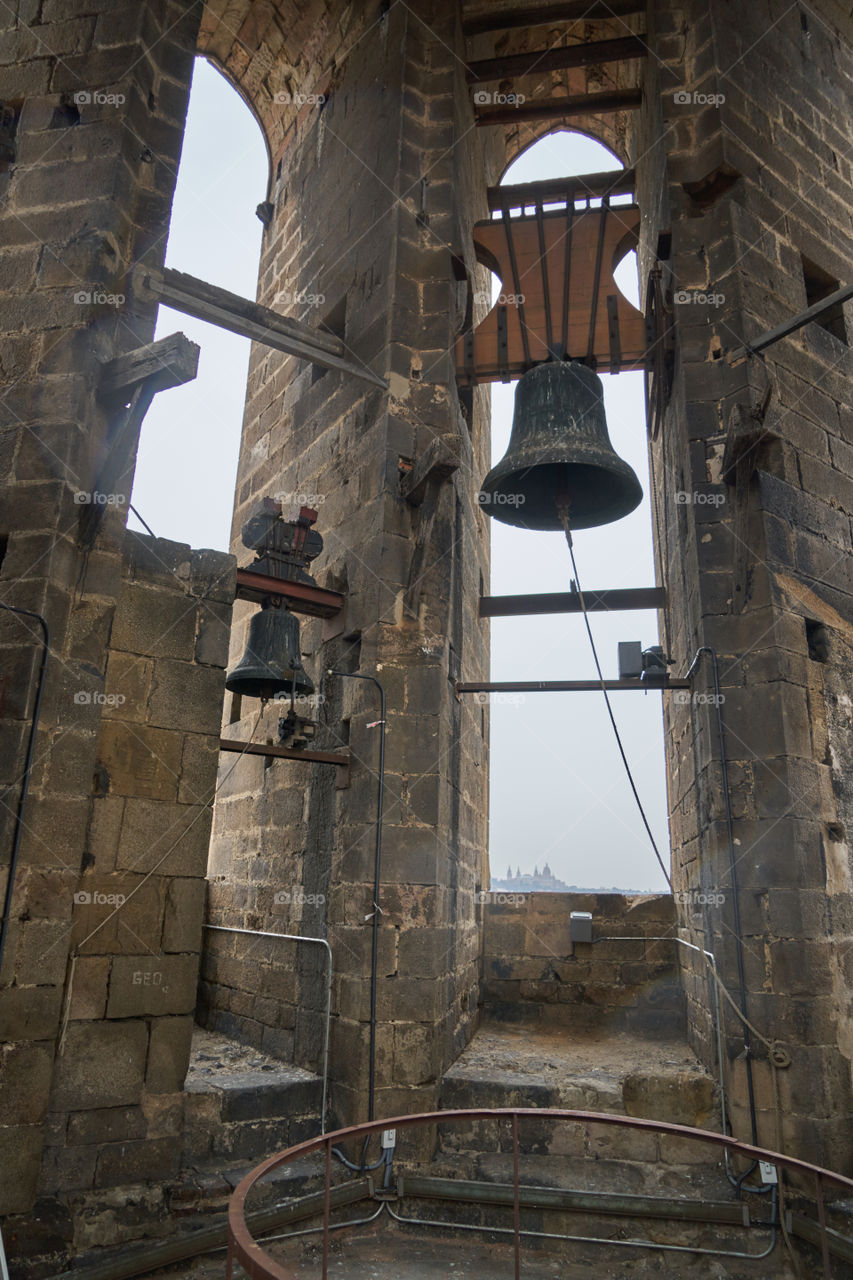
[[94, 101], [755, 495]]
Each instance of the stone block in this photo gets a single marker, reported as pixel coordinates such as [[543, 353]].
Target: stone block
[[187, 696], [155, 985], [103, 1065], [169, 1054], [154, 623], [425, 952], [105, 1124], [149, 1160], [152, 829], [25, 1077], [199, 763], [184, 915], [140, 761], [20, 1159]]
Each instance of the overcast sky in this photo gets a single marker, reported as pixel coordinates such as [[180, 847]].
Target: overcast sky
[[559, 791]]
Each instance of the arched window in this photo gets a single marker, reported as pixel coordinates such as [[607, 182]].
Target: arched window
[[187, 459], [559, 758]]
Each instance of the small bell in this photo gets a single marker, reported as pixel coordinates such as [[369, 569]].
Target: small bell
[[271, 664], [560, 455]]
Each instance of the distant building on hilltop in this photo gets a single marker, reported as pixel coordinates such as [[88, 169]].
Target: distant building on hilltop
[[543, 881]]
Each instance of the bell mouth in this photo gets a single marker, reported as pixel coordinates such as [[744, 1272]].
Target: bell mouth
[[273, 686], [533, 498]]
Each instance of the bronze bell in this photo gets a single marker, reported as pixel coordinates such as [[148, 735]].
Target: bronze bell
[[272, 657], [560, 455]]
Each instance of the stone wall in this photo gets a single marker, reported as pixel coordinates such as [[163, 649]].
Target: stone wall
[[533, 973]]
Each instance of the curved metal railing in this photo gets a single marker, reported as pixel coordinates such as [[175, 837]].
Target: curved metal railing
[[258, 1264]]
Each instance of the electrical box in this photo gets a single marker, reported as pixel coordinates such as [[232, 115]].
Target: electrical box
[[630, 659], [580, 926]]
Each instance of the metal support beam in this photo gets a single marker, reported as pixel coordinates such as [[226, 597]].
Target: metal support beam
[[570, 602], [544, 14], [541, 61], [238, 315], [566, 686], [340, 758], [844, 294], [316, 602], [563, 108], [591, 186]]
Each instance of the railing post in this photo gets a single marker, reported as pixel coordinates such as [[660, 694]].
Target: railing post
[[229, 1259], [821, 1217], [326, 1209], [515, 1206]]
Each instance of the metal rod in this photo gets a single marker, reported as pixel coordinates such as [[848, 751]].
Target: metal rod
[[320, 942], [793, 324], [821, 1217], [596, 284], [28, 764], [519, 296], [613, 599], [327, 1210], [377, 876], [340, 758], [516, 1212], [565, 686]]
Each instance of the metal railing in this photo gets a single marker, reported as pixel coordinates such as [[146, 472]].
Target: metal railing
[[258, 1264]]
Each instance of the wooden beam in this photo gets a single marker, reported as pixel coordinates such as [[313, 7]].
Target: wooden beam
[[617, 598], [340, 758], [563, 108], [544, 14], [173, 360], [238, 315], [591, 53], [592, 186]]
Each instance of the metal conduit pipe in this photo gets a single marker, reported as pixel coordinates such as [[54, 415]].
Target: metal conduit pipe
[[377, 869], [320, 942], [28, 762], [724, 771]]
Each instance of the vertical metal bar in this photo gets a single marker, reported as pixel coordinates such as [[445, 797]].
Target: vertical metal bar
[[326, 1208], [516, 1217], [546, 291], [510, 244], [229, 1258], [570, 218], [596, 284], [821, 1217]]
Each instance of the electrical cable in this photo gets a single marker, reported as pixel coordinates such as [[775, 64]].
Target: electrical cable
[[563, 513]]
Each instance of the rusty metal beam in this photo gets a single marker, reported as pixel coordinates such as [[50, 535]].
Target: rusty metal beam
[[543, 60], [589, 186], [340, 758], [570, 602], [541, 15], [565, 686], [317, 602], [563, 108]]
